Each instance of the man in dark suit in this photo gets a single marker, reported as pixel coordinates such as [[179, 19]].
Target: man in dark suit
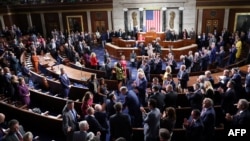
[[102, 119], [120, 125], [183, 77], [159, 97], [247, 84], [16, 131], [94, 125], [70, 118], [133, 105], [195, 98], [208, 118], [151, 121], [82, 134], [65, 83], [224, 79], [170, 97], [240, 120], [194, 126], [142, 86]]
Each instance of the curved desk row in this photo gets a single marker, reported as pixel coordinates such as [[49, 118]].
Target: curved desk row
[[165, 44], [116, 51]]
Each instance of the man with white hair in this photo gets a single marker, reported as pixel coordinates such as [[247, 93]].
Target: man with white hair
[[102, 119], [82, 134]]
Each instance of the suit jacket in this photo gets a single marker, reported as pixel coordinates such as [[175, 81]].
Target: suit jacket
[[208, 118], [94, 125], [80, 136], [170, 99], [227, 101], [102, 119], [247, 83], [183, 78], [194, 131], [65, 82], [69, 120], [11, 136], [120, 126], [195, 99], [159, 97], [152, 125], [132, 102], [241, 120]]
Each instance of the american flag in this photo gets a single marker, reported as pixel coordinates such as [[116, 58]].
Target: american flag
[[153, 20]]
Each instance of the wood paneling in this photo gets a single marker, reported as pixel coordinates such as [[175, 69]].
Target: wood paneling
[[232, 13], [20, 20], [222, 2], [7, 20], [37, 23], [99, 20], [84, 19], [214, 15], [51, 22]]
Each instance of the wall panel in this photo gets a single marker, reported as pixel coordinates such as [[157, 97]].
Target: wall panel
[[51, 22], [37, 23], [99, 20], [84, 19], [212, 18]]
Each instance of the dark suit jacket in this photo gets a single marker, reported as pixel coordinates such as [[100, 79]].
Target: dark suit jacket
[[208, 119], [159, 97], [11, 136], [242, 120], [195, 99], [247, 82], [227, 101], [194, 131], [102, 119], [79, 136], [64, 82], [132, 102], [120, 126], [183, 79], [170, 99], [94, 125]]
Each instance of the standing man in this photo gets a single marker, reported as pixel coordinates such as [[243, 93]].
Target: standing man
[[247, 84], [133, 105], [65, 83], [70, 117], [151, 121], [120, 124], [183, 77], [82, 134], [208, 118]]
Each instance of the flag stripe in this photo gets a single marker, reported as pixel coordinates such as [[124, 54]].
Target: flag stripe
[[153, 20]]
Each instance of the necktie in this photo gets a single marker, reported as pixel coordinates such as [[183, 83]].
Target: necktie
[[73, 114], [20, 137]]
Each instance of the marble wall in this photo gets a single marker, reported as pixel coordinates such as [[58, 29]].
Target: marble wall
[[189, 12]]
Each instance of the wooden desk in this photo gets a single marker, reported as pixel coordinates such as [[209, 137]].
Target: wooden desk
[[116, 51], [73, 74], [46, 60], [165, 44], [193, 79]]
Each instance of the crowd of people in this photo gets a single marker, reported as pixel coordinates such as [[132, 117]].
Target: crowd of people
[[150, 103]]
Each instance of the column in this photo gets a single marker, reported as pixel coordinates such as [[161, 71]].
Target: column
[[43, 25], [60, 21], [29, 20], [141, 20], [199, 26], [226, 18], [125, 19], [2, 22], [89, 21], [109, 20], [164, 12], [181, 19]]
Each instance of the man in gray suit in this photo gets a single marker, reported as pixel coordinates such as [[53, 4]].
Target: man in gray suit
[[82, 134], [16, 131], [151, 121], [70, 117]]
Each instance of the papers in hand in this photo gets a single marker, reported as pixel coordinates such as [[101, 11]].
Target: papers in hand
[[46, 58]]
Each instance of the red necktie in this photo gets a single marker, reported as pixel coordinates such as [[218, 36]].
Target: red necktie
[[20, 137]]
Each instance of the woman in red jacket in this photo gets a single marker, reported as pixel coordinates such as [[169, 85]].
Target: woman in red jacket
[[93, 61]]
